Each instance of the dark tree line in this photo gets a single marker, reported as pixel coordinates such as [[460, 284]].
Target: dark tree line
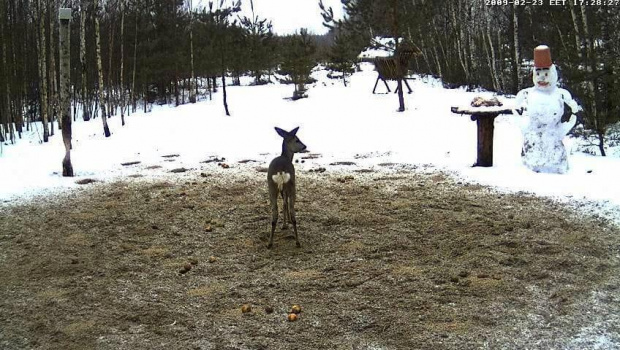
[[130, 54], [489, 44]]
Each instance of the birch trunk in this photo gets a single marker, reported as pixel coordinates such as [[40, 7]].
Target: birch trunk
[[176, 86], [18, 98], [192, 82], [441, 46], [65, 86], [144, 97], [86, 111], [106, 129], [517, 54], [122, 85], [591, 69], [209, 88], [52, 71], [493, 66], [400, 72], [109, 88], [133, 77], [607, 59], [427, 60], [43, 71], [501, 75], [224, 97], [6, 112], [459, 38], [578, 42], [436, 54]]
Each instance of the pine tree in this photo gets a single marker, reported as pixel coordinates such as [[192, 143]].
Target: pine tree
[[299, 61], [259, 40], [223, 40], [342, 56]]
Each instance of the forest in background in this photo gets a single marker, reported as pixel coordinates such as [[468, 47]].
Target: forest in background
[[129, 54]]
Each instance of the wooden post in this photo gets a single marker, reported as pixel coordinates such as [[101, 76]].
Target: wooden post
[[485, 138], [64, 15], [485, 121]]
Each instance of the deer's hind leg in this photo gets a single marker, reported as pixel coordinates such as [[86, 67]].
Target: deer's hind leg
[[273, 197], [286, 217], [291, 209]]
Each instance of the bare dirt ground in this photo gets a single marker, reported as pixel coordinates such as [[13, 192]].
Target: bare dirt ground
[[397, 260]]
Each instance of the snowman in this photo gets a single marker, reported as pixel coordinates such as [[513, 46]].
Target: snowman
[[543, 106]]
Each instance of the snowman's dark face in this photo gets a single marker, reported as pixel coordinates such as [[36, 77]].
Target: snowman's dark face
[[545, 78]]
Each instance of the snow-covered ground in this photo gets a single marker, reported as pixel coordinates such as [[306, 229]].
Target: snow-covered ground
[[340, 123]]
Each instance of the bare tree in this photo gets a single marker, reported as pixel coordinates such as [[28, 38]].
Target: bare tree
[[43, 71], [5, 112], [133, 74], [106, 129], [122, 86], [591, 80], [53, 84], [192, 82], [109, 87], [516, 73], [86, 103]]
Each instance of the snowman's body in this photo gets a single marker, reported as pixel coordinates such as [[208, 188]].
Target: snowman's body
[[543, 130]]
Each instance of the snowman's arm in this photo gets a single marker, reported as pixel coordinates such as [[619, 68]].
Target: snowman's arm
[[521, 98], [565, 127], [521, 101], [568, 99]]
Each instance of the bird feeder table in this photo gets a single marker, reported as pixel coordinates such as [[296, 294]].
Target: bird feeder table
[[485, 120]]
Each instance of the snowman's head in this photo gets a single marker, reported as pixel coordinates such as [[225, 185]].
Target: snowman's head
[[545, 75], [545, 78]]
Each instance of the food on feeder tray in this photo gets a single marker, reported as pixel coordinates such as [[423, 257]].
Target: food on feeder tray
[[480, 101]]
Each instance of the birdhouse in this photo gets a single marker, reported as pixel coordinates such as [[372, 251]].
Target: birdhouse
[[64, 14]]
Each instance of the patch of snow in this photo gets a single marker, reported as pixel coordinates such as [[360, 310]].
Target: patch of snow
[[339, 123]]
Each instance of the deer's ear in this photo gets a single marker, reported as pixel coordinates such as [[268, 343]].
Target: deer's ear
[[281, 132], [294, 131]]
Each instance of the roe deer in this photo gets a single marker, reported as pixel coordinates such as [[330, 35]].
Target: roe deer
[[281, 179]]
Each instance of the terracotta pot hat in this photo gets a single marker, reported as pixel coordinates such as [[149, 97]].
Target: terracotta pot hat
[[542, 57]]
